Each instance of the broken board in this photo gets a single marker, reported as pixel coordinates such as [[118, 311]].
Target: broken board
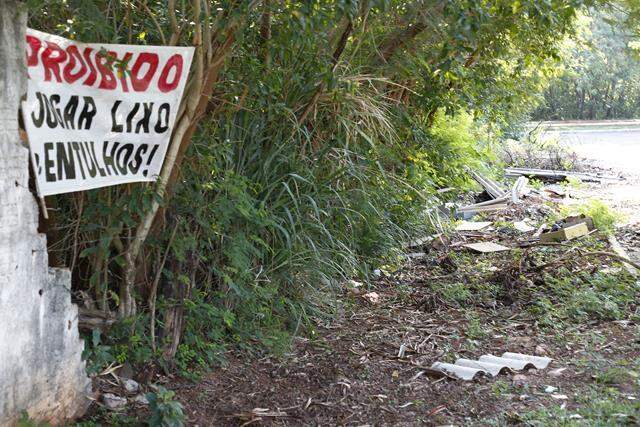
[[486, 247], [472, 226]]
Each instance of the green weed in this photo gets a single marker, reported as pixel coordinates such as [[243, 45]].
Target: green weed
[[165, 411], [579, 297], [604, 218], [613, 376], [597, 407]]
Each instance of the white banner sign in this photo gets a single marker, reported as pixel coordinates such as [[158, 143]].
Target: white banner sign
[[100, 114]]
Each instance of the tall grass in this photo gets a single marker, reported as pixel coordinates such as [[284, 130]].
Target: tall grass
[[285, 214]]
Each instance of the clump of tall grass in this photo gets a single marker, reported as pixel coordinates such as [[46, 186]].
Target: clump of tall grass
[[284, 213]]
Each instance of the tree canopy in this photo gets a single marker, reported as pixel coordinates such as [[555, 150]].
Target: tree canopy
[[599, 73]]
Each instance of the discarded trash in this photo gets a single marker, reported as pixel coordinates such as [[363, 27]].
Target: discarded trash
[[553, 175], [419, 242], [566, 233], [499, 195], [577, 219], [472, 226], [416, 255], [517, 361], [486, 247], [557, 372], [354, 283], [489, 365], [519, 189], [492, 188], [523, 227], [492, 368], [488, 206], [460, 372], [539, 362], [402, 350]]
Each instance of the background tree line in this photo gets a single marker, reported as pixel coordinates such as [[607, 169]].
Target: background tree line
[[310, 145], [599, 77]]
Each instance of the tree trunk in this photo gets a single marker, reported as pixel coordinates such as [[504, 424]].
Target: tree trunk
[[176, 292]]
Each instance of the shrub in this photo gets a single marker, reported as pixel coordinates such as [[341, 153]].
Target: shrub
[[165, 411], [604, 218]]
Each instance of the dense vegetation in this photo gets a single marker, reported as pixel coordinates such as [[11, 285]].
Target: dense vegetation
[[600, 70], [314, 138]]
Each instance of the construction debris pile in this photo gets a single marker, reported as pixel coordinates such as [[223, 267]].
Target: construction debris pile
[[522, 207], [522, 236]]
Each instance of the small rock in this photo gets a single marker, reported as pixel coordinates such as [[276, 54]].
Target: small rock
[[560, 396], [130, 385], [141, 399], [372, 297], [377, 273], [112, 401], [550, 389], [519, 380], [557, 372]]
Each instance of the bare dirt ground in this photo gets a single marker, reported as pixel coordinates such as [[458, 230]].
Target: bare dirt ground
[[351, 375]]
